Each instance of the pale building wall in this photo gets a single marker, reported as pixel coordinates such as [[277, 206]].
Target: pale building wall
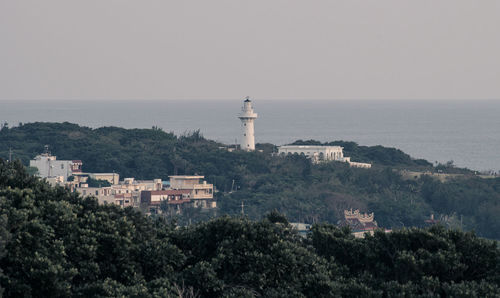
[[112, 178], [248, 138], [203, 191], [141, 185], [359, 165], [95, 191], [202, 194], [49, 166], [108, 195], [315, 152], [319, 153], [247, 117], [56, 180], [159, 197], [199, 190], [184, 182]]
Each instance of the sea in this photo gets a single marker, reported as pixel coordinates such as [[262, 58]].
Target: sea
[[466, 132]]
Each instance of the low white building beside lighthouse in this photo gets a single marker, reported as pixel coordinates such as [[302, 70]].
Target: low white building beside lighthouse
[[247, 117]]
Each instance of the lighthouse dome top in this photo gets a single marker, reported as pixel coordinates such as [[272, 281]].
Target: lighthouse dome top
[[247, 110]]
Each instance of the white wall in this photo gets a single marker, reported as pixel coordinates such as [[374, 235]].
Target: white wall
[[48, 166]]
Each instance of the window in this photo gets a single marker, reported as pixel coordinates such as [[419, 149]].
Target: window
[[96, 192], [62, 166]]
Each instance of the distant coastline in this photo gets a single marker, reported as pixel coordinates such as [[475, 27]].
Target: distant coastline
[[467, 132]]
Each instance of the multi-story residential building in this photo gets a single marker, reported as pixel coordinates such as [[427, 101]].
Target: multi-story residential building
[[188, 190], [173, 198], [109, 195], [48, 166], [201, 190], [183, 190], [126, 193]]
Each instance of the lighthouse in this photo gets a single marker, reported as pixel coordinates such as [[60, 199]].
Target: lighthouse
[[247, 116]]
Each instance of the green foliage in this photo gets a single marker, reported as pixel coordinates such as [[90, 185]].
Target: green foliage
[[375, 154], [291, 185], [413, 261], [55, 243], [33, 171], [97, 182]]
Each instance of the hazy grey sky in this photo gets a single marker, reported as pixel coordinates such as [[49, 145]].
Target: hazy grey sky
[[269, 49]]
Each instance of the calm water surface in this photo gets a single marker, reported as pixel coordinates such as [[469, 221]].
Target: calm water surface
[[467, 132]]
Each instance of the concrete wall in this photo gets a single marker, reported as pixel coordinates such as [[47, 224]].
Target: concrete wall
[[315, 152], [49, 166]]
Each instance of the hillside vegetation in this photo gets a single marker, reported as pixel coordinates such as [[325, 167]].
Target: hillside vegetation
[[54, 243], [292, 185]]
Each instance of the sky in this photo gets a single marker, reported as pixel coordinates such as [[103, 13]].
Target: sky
[[268, 49]]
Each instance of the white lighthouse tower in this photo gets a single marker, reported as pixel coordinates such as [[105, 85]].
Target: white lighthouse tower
[[247, 116]]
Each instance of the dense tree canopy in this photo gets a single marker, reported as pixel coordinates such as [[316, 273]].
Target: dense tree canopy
[[302, 191], [54, 243]]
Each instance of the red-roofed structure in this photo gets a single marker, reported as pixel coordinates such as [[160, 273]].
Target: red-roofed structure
[[359, 223]]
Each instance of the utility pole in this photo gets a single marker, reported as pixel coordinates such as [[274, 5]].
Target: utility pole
[[242, 208], [10, 154]]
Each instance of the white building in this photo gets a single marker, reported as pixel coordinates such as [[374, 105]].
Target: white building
[[316, 153], [321, 153], [247, 117], [49, 166]]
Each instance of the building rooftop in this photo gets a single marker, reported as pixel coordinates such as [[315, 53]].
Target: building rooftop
[[170, 192], [308, 146], [186, 177]]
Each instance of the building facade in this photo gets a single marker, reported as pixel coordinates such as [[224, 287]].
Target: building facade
[[202, 193], [49, 166], [316, 153]]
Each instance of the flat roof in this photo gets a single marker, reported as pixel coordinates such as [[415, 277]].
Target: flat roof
[[168, 192], [97, 174], [186, 177], [308, 147]]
